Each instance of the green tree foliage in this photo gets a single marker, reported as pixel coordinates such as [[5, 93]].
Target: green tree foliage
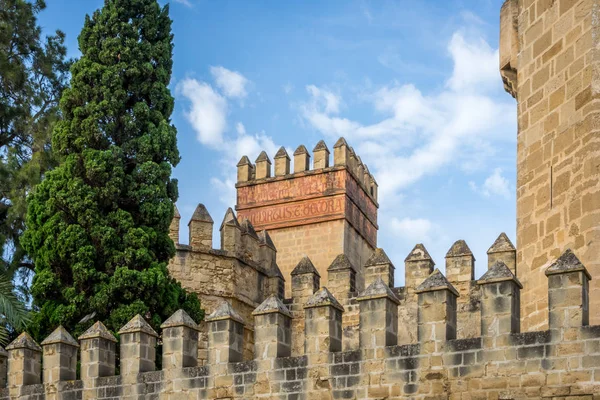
[[33, 73], [97, 225]]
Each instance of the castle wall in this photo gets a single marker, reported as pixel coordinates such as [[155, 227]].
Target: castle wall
[[501, 363], [549, 62]]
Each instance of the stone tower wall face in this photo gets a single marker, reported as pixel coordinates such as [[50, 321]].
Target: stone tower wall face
[[549, 60], [319, 213]]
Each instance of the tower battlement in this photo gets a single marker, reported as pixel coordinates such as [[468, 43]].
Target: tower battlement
[[319, 212]]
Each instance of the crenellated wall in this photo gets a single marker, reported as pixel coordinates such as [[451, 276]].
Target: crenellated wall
[[319, 209], [562, 362]]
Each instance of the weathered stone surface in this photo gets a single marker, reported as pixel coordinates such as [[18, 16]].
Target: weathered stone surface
[[501, 244], [244, 161], [321, 146], [436, 281], [201, 214], [60, 335], [270, 305], [224, 311], [179, 318], [323, 297], [138, 324], [305, 266], [376, 290], [263, 157], [459, 248], [567, 262], [378, 257], [98, 330], [301, 150], [418, 253], [24, 341], [282, 153], [499, 272], [341, 262]]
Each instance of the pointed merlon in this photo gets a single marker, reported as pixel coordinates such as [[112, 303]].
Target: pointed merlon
[[567, 262], [274, 271], [323, 297], [501, 244], [341, 142], [244, 161], [137, 324], [419, 253], [321, 146], [201, 214], [248, 228], [459, 248], [436, 281], [305, 266], [378, 258], [341, 263], [282, 153], [378, 290], [230, 219], [98, 330], [179, 318], [24, 341], [224, 311], [176, 212], [263, 157], [301, 150], [499, 272], [60, 335], [265, 239], [272, 305]]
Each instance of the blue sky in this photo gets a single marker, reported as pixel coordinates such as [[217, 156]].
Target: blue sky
[[412, 85]]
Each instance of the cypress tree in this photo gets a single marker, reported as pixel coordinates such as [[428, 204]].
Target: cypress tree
[[97, 225]]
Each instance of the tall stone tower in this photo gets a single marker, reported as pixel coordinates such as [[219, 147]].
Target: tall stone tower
[[549, 61], [320, 212]]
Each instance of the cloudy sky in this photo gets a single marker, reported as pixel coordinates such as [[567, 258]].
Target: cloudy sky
[[412, 85]]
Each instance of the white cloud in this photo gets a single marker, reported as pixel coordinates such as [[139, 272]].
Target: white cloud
[[240, 128], [186, 3], [494, 185], [420, 133], [232, 83], [415, 230], [208, 111]]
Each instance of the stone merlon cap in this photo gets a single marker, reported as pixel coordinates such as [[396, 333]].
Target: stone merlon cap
[[24, 341], [419, 253], [60, 335], [378, 258], [179, 318], [501, 245], [378, 290], [272, 305], [248, 228], [498, 272], [301, 150], [263, 157], [321, 146], [282, 153], [567, 262], [229, 219], [274, 271], [224, 311], [244, 161], [305, 266], [341, 263], [436, 281], [341, 142], [176, 212], [98, 330], [265, 239], [201, 214], [459, 248], [137, 324], [323, 297]]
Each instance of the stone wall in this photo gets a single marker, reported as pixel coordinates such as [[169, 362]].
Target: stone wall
[[319, 211], [562, 362], [548, 61]]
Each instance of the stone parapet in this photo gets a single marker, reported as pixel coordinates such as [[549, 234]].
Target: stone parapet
[[529, 365]]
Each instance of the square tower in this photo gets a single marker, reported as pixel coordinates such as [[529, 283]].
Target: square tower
[[320, 212], [549, 63]]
